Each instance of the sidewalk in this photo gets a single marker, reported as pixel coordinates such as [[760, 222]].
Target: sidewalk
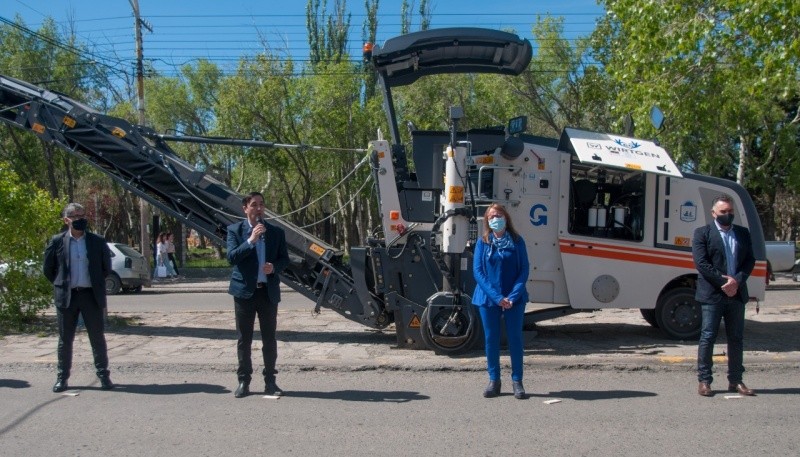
[[618, 339]]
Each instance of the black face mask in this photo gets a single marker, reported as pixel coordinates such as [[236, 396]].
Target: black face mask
[[80, 224], [725, 220]]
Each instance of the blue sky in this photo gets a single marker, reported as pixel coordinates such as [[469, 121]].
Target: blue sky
[[223, 30]]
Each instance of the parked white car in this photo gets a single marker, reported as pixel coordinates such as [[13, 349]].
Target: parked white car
[[130, 270]]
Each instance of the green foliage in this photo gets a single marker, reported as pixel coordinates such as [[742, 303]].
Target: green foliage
[[558, 89], [28, 217], [327, 34], [726, 75]]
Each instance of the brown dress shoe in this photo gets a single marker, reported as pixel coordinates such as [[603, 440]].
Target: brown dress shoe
[[704, 389], [741, 389]]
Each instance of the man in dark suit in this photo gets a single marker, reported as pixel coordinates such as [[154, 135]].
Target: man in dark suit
[[723, 256], [257, 252], [77, 262]]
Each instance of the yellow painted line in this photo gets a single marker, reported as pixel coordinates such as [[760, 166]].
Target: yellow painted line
[[674, 359], [682, 359]]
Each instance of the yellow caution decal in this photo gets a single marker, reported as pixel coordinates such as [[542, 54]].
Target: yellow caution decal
[[683, 241], [317, 249], [455, 194], [69, 122], [414, 322]]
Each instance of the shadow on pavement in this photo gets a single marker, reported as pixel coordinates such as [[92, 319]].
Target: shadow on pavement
[[192, 332], [170, 389], [552, 339], [14, 383], [787, 391], [360, 395], [360, 337], [617, 338], [595, 394]]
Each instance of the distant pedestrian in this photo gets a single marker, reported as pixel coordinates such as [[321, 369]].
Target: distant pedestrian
[[723, 256], [77, 262], [171, 252], [162, 257]]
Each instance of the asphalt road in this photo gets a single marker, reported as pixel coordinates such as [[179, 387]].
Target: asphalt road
[[191, 411]]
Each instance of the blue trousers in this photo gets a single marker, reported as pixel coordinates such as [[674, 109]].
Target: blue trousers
[[732, 311], [491, 317]]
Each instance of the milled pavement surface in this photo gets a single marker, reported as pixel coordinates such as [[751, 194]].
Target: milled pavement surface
[[611, 339]]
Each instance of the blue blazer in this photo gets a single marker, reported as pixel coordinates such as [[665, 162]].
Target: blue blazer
[[244, 260], [56, 266], [500, 275], [708, 251]]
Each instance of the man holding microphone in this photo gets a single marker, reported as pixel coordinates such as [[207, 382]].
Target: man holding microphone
[[257, 251]]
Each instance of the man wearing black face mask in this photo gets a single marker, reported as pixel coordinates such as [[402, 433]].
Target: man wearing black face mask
[[77, 263], [723, 256]]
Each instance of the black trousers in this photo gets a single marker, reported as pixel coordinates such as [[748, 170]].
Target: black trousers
[[246, 311], [81, 303]]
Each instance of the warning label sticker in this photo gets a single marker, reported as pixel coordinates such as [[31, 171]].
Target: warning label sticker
[[414, 322], [455, 194]]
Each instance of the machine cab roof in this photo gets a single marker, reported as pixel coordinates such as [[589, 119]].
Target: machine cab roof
[[406, 58]]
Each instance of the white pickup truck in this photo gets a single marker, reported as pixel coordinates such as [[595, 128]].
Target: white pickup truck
[[781, 258]]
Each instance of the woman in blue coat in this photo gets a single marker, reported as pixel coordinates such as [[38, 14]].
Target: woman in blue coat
[[501, 270]]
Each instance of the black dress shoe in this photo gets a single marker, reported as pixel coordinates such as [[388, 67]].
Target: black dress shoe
[[741, 389], [492, 389], [105, 383], [243, 390], [519, 391], [60, 385], [272, 389]]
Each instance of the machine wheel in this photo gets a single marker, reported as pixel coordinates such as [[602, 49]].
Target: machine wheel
[[649, 315], [113, 284], [678, 314], [448, 329]]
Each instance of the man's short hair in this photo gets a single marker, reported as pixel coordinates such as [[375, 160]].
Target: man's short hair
[[248, 197], [70, 209], [722, 198]]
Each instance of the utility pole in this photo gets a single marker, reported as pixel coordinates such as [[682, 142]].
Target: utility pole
[[144, 207]]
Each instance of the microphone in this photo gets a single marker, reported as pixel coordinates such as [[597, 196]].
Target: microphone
[[262, 222]]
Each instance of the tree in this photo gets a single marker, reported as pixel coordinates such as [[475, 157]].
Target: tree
[[726, 75], [327, 35], [559, 88], [28, 216]]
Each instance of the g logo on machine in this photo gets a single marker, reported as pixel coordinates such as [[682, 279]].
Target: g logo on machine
[[688, 212], [538, 215]]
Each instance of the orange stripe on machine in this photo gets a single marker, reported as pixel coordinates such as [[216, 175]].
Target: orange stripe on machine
[[639, 255]]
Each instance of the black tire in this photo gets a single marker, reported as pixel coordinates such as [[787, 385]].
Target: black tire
[[467, 330], [132, 290], [649, 315], [678, 314], [113, 284]]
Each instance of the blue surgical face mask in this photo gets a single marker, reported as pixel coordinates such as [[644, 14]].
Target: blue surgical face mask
[[498, 224]]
